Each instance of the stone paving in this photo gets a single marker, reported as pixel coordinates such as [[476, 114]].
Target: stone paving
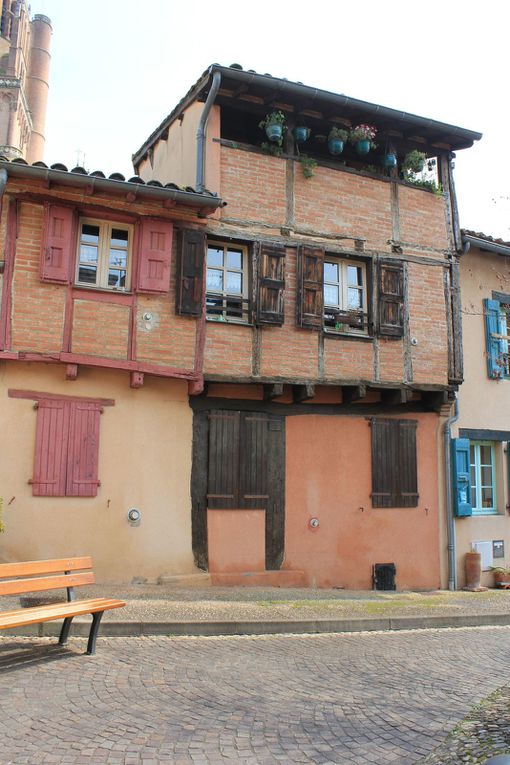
[[346, 698]]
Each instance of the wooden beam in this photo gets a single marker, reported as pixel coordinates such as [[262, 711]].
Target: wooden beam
[[273, 391], [136, 379], [352, 393], [434, 400], [394, 397], [71, 371], [303, 392]]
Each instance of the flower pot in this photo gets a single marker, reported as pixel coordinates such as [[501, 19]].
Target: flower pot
[[473, 569], [301, 134], [363, 147], [274, 131], [390, 160], [335, 146], [501, 577]]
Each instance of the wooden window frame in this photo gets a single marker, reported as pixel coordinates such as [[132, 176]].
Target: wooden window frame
[[224, 294], [340, 313], [105, 231]]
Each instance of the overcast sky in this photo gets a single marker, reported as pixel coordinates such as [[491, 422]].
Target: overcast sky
[[119, 67]]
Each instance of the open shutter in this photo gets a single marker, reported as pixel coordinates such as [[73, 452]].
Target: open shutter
[[271, 283], [461, 479], [51, 440], [394, 465], [58, 246], [391, 298], [155, 256], [223, 474], [83, 454], [190, 273], [495, 366], [310, 287]]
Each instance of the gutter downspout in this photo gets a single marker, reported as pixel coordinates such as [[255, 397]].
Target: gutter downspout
[[450, 521], [199, 185]]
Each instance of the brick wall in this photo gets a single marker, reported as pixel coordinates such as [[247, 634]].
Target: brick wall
[[100, 326], [253, 185]]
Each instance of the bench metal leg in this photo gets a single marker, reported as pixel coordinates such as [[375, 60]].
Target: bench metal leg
[[96, 620], [64, 632]]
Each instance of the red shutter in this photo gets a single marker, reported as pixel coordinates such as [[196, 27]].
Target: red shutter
[[310, 287], [155, 256], [190, 273], [83, 453], [58, 245], [51, 441]]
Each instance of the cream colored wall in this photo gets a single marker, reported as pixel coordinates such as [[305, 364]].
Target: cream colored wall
[[144, 462], [483, 403]]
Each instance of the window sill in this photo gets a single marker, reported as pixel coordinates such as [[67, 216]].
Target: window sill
[[236, 322], [346, 335], [485, 513], [102, 290]]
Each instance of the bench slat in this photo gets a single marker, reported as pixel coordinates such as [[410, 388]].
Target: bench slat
[[56, 611], [34, 567], [43, 606], [18, 586]]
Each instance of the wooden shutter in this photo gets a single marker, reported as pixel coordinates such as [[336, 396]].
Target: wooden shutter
[[394, 468], [271, 284], [51, 440], [461, 478], [253, 468], [391, 298], [58, 245], [310, 286], [83, 452], [223, 468], [154, 256], [190, 273], [495, 363]]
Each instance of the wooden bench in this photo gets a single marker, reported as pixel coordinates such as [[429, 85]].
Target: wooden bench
[[42, 575]]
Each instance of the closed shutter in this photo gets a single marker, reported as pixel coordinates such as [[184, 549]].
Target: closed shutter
[[310, 286], [394, 466], [154, 256], [223, 474], [82, 468], [253, 482], [271, 284], [190, 273], [495, 363], [391, 298], [58, 245], [51, 439], [461, 478]]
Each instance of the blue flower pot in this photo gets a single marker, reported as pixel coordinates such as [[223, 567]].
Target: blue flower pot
[[301, 134], [274, 131], [390, 160], [363, 147], [335, 146]]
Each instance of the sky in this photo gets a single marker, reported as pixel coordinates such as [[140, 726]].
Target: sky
[[120, 66]]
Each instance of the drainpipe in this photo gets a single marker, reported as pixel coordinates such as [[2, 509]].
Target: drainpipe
[[450, 521], [199, 185], [3, 184]]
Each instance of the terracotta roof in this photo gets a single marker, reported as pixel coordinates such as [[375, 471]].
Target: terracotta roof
[[115, 182], [277, 88], [478, 235]]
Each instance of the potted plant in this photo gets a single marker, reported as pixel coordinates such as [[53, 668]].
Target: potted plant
[[274, 125], [362, 138], [336, 139], [301, 133], [308, 165], [501, 575], [390, 160], [414, 161]]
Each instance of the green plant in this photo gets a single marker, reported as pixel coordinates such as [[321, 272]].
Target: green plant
[[414, 161], [339, 133], [500, 569], [275, 148], [274, 117], [363, 133], [308, 165]]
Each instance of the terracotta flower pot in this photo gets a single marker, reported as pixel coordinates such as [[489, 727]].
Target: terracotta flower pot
[[473, 569]]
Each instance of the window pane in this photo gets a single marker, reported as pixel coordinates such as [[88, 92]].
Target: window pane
[[88, 254], [214, 279], [485, 455], [486, 476], [87, 274], [214, 305], [235, 259], [473, 476], [331, 272], [354, 298], [214, 256], [487, 498], [331, 295], [233, 282], [473, 496], [472, 454], [118, 258], [90, 233], [354, 276], [119, 237], [116, 278]]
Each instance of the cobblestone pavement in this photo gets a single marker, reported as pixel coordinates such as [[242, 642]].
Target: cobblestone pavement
[[352, 698]]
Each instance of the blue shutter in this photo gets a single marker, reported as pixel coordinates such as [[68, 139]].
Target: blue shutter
[[495, 370], [461, 480]]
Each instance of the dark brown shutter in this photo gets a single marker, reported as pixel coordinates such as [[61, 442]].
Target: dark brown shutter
[[310, 287], [271, 284], [190, 273], [394, 470], [253, 473], [223, 473], [391, 298]]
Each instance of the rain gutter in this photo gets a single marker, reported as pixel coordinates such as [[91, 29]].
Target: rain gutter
[[201, 131], [450, 520], [483, 244]]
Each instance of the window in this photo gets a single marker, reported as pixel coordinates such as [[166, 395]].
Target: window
[[497, 324], [345, 296], [103, 254], [483, 478], [394, 467], [227, 282]]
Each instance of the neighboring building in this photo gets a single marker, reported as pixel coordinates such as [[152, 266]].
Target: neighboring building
[[480, 450], [298, 367], [24, 73]]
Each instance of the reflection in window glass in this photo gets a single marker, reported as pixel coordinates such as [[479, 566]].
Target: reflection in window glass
[[483, 478], [214, 256], [345, 301], [226, 282], [103, 255], [214, 279], [234, 259]]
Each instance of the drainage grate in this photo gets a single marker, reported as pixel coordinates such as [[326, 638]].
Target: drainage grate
[[384, 576]]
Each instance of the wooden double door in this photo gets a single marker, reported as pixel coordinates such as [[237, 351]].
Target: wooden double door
[[239, 464]]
